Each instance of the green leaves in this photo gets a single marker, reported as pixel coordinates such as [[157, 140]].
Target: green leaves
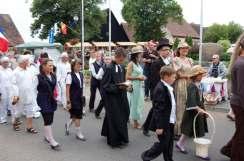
[[147, 17], [47, 13], [218, 32]]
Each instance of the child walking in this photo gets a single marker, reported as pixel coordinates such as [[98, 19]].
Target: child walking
[[194, 105], [74, 94], [164, 117]]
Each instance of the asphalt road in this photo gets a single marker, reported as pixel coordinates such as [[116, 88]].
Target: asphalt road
[[20, 146]]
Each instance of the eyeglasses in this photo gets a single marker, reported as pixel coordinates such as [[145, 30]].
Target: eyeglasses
[[214, 58]]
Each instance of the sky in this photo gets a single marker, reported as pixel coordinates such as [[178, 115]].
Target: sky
[[215, 11]]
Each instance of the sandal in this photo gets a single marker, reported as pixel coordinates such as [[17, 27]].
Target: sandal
[[16, 127], [31, 130]]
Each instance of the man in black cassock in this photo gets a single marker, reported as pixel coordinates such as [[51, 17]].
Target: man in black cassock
[[116, 102]]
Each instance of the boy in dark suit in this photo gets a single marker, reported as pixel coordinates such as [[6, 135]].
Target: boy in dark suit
[[163, 118]]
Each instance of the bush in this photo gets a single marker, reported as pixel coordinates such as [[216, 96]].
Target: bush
[[176, 43], [225, 57], [194, 56], [225, 44]]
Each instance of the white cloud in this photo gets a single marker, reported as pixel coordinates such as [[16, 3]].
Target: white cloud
[[219, 11]]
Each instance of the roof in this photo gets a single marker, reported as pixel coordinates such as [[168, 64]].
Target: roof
[[37, 45], [126, 43], [176, 29], [196, 27], [182, 29], [78, 45], [103, 44], [128, 30], [9, 30]]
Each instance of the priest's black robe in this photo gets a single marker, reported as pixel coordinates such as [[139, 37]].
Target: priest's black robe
[[116, 106]]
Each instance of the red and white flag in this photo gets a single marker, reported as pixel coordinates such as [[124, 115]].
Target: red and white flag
[[3, 43]]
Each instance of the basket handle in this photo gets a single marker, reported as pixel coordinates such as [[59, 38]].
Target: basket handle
[[194, 124]]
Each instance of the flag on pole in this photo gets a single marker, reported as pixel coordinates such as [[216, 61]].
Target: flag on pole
[[63, 28], [3, 43]]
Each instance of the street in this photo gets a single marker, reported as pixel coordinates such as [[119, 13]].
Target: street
[[20, 146]]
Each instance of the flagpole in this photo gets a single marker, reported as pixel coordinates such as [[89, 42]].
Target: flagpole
[[201, 34], [82, 35], [110, 27]]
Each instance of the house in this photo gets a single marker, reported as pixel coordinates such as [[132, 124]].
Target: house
[[172, 31], [9, 30]]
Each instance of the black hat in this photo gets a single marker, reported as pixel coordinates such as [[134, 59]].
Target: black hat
[[163, 42]]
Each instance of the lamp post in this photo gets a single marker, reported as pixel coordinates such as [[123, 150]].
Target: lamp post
[[201, 34], [82, 34]]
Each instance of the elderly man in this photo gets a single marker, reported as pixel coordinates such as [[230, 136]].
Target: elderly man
[[23, 80], [5, 80], [217, 69]]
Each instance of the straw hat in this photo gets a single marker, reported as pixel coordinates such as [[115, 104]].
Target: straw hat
[[196, 70], [137, 49], [183, 45]]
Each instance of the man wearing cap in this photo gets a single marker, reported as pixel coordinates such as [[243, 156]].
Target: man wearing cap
[[5, 80], [23, 80], [164, 49], [149, 56], [63, 68]]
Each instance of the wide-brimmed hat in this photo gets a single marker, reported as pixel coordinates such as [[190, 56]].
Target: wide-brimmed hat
[[196, 70], [183, 44], [163, 42], [137, 49]]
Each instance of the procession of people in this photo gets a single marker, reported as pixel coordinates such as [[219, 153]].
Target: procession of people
[[170, 80]]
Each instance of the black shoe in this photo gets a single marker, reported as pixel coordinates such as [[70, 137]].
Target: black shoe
[[46, 140], [143, 157], [9, 113], [81, 139], [224, 151], [146, 133], [66, 129], [176, 137], [56, 147], [98, 117]]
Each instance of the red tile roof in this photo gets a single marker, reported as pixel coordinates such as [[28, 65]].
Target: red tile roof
[[182, 30], [9, 30]]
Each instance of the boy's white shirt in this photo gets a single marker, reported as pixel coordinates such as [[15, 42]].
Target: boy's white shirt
[[173, 109]]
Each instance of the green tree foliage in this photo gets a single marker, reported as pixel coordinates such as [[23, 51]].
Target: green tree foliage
[[234, 31], [176, 43], [189, 41], [225, 44], [147, 17], [47, 13], [218, 32]]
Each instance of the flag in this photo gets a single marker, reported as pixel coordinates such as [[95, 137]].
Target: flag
[[3, 43], [51, 36], [63, 28]]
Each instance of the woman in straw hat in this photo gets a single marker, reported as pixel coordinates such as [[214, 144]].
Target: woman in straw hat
[[136, 96], [182, 64], [234, 149], [194, 105]]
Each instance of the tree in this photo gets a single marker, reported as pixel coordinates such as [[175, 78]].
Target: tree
[[234, 31], [218, 32], [47, 13], [189, 41], [215, 33], [225, 44], [147, 17]]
